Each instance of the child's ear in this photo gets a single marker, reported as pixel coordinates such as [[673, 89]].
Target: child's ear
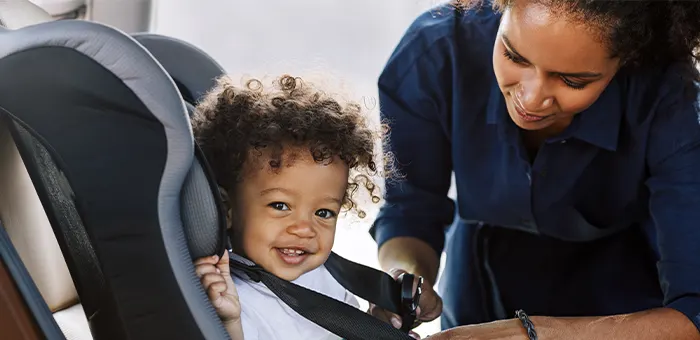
[[226, 200], [229, 218]]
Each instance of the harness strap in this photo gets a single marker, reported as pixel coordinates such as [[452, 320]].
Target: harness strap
[[338, 317]]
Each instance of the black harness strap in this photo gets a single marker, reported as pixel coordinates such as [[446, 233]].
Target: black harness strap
[[338, 317], [378, 287]]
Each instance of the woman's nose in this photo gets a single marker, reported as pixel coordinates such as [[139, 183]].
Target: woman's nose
[[532, 95], [302, 228]]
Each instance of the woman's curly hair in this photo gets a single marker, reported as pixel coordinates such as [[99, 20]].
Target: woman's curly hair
[[231, 121], [643, 33]]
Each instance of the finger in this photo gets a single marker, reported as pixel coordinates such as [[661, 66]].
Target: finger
[[414, 335], [385, 316], [376, 312], [431, 306], [396, 272], [215, 290], [209, 279], [207, 260], [396, 321], [204, 269], [380, 313]]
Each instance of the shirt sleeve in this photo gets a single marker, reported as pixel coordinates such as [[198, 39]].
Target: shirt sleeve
[[674, 185], [415, 98]]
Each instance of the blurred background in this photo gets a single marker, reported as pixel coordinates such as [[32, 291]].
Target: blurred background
[[346, 42]]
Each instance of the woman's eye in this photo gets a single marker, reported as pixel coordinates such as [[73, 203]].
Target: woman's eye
[[325, 214], [279, 206], [572, 84], [514, 58]]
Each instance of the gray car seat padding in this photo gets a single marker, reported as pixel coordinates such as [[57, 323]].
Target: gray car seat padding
[[193, 71], [105, 74]]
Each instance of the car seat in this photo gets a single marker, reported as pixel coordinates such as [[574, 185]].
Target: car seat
[[104, 135], [20, 207], [195, 72], [111, 156]]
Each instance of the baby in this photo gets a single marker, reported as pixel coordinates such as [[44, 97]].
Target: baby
[[288, 159]]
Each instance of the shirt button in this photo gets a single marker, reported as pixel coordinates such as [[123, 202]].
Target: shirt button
[[543, 173], [563, 142]]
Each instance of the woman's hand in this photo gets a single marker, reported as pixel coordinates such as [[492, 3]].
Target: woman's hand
[[498, 330], [429, 308], [215, 275]]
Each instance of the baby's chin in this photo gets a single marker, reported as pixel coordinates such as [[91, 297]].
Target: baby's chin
[[288, 274], [291, 273]]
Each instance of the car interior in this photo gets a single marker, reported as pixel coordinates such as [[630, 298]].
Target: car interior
[[105, 199]]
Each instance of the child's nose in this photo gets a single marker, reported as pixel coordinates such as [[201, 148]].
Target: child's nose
[[302, 228]]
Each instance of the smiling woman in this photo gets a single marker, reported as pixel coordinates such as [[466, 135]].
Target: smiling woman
[[537, 78], [572, 131], [579, 53]]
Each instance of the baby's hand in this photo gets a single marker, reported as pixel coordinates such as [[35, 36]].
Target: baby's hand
[[215, 275]]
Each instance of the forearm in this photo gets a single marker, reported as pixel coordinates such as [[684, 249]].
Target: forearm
[[656, 324], [412, 255], [234, 329]]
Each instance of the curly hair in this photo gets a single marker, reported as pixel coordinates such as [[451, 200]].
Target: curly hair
[[643, 34], [232, 123]]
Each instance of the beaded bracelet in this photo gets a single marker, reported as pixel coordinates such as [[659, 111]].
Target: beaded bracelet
[[529, 327]]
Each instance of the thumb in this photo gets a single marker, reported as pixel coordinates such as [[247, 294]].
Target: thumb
[[396, 272]]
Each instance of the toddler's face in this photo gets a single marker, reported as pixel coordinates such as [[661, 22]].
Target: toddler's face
[[285, 221]]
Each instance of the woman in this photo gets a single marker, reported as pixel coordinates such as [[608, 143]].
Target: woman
[[572, 131]]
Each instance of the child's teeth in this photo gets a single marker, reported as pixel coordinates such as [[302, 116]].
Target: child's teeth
[[292, 251]]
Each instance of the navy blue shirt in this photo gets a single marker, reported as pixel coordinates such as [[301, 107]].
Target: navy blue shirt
[[606, 220]]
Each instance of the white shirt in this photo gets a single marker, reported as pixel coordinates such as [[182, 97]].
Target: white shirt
[[265, 317]]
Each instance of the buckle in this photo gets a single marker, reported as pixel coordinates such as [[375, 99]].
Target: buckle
[[409, 301]]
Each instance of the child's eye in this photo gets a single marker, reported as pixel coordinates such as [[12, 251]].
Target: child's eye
[[325, 213], [279, 206]]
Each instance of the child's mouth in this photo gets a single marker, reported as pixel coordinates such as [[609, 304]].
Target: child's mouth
[[292, 256]]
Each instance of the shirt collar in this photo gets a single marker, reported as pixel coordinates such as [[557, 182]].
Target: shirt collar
[[599, 124], [497, 114]]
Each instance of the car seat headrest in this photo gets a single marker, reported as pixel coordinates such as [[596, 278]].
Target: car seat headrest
[[105, 136], [194, 72], [192, 69], [16, 14]]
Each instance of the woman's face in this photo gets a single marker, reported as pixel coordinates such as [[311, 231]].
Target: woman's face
[[548, 68]]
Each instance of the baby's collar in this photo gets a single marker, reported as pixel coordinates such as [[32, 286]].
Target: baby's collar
[[235, 257], [251, 273]]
